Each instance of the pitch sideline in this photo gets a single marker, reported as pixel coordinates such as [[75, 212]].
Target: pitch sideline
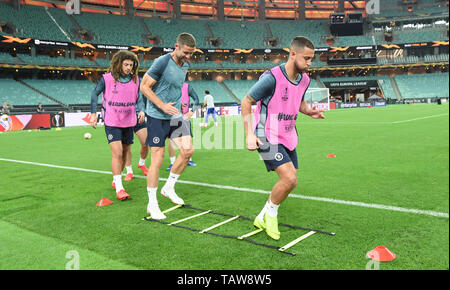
[[322, 199]]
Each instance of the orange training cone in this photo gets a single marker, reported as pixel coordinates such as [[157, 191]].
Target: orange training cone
[[104, 201], [331, 155], [381, 254]]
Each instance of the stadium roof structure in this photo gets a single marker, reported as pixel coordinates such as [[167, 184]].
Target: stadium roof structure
[[250, 10]]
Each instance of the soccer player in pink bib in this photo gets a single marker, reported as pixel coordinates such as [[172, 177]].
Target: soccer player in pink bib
[[187, 92], [120, 88], [278, 95]]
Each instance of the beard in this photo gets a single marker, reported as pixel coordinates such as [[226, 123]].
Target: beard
[[300, 69], [181, 59]]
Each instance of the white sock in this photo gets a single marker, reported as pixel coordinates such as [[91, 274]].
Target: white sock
[[172, 180], [172, 159], [151, 191], [141, 161], [118, 182], [129, 169], [190, 159], [263, 212], [272, 209]]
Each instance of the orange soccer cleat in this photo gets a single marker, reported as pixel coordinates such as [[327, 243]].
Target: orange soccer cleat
[[129, 177], [122, 195], [143, 168]]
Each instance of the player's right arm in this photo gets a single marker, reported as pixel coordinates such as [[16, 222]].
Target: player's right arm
[[263, 88], [246, 110], [146, 88]]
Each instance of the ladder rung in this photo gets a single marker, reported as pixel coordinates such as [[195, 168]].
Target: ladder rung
[[284, 248], [188, 218], [172, 208], [250, 234], [219, 224]]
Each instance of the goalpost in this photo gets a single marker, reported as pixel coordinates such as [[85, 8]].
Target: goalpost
[[319, 97]]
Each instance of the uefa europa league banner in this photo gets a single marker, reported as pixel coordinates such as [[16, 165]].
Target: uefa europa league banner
[[24, 122]]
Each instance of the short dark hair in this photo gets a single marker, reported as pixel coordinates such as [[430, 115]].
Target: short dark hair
[[300, 42], [207, 92], [186, 39]]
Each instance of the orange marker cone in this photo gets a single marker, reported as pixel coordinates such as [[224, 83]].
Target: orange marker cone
[[331, 155], [381, 254], [103, 202]]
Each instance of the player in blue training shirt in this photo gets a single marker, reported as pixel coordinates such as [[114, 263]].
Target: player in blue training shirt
[[162, 86]]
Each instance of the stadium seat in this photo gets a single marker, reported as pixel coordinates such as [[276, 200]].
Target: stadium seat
[[69, 92], [17, 94], [423, 85], [215, 89]]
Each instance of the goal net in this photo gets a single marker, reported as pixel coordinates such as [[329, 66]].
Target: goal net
[[320, 97]]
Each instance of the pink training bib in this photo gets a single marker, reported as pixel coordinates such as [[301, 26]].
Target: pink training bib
[[282, 110], [119, 102], [185, 97]]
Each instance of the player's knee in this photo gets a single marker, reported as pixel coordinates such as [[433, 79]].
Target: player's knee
[[118, 154], [187, 153], [291, 180]]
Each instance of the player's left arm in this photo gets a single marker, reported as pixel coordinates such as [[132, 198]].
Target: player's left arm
[[140, 106], [312, 112]]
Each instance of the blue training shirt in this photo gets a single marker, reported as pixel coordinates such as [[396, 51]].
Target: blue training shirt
[[170, 78]]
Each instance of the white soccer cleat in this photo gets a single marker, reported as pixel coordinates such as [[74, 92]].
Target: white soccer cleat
[[170, 193], [154, 211]]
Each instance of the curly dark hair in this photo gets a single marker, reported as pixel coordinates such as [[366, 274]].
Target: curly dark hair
[[115, 67]]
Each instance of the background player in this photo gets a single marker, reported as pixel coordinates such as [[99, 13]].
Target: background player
[[208, 102], [141, 131], [187, 93]]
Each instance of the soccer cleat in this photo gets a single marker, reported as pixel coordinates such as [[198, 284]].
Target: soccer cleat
[[154, 211], [129, 177], [170, 167], [191, 163], [143, 168], [259, 223], [272, 227], [122, 195], [170, 193]]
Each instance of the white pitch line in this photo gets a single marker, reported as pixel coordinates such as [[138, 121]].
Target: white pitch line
[[415, 119], [373, 123], [322, 199]]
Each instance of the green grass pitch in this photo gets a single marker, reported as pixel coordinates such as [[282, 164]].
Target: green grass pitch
[[388, 185]]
